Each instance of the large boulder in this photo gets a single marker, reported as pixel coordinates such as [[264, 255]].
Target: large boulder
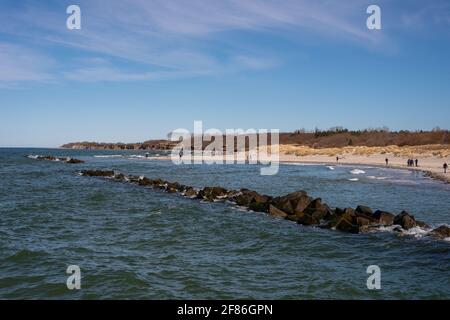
[[244, 197], [422, 224], [441, 232], [274, 211], [347, 226], [314, 213], [364, 210], [344, 220], [384, 218], [405, 220], [260, 204], [293, 203]]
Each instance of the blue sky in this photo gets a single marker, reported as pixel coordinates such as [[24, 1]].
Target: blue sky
[[139, 69]]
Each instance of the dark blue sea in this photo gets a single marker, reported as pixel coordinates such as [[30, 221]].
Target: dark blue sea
[[138, 243]]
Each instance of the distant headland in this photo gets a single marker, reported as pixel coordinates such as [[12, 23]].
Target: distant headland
[[337, 137]]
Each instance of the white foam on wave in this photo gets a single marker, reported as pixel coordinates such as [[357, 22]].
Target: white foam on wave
[[357, 171], [417, 232], [108, 156], [330, 167], [33, 156], [353, 179], [371, 177]]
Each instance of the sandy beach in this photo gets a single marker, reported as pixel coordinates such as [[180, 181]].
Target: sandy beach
[[430, 161], [431, 165]]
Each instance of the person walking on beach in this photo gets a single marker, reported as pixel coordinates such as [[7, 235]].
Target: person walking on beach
[[387, 161], [181, 154], [445, 167], [417, 162], [337, 159]]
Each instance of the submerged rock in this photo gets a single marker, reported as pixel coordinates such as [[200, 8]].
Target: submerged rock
[[97, 173], [57, 159], [441, 232], [74, 161]]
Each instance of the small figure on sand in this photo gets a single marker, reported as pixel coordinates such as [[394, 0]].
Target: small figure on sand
[[445, 167], [417, 162], [387, 161], [337, 159], [181, 154], [410, 163]]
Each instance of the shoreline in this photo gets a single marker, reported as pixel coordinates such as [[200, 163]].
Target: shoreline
[[429, 167]]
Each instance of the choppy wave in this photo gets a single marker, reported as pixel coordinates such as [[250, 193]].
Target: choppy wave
[[24, 255], [353, 179], [330, 167], [357, 171]]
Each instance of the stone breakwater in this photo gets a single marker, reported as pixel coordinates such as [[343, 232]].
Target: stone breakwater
[[57, 159], [297, 206]]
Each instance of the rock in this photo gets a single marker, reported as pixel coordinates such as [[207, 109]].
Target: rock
[[248, 196], [405, 220], [361, 221], [292, 203], [97, 173], [157, 182], [364, 210], [422, 224], [260, 203], [314, 213], [74, 161], [384, 218], [190, 192], [308, 219], [144, 181], [212, 193], [344, 220], [134, 179], [347, 226], [441, 232], [172, 187], [274, 211], [119, 176], [293, 217]]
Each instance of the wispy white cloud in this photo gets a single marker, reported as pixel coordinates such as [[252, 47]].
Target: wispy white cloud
[[168, 39], [19, 64]]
